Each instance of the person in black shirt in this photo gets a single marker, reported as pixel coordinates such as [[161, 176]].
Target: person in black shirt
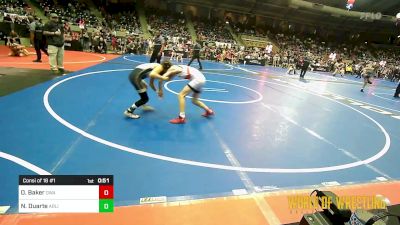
[[101, 47], [196, 54], [397, 93], [54, 32], [396, 74], [37, 38], [304, 67], [3, 37], [158, 48]]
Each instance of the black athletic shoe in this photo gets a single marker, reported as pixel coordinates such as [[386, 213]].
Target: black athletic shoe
[[362, 90], [396, 96], [37, 60]]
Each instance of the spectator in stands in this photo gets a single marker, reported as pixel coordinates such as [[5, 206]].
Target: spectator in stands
[[3, 37], [276, 60], [81, 24], [7, 18], [113, 43], [95, 40], [85, 40], [54, 32], [130, 47], [358, 69], [101, 47], [395, 74], [14, 37]]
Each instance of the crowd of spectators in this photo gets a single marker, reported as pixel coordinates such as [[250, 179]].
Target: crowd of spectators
[[172, 26], [212, 31], [121, 17], [292, 49], [15, 11], [246, 28], [349, 57], [105, 37], [18, 7], [72, 11]]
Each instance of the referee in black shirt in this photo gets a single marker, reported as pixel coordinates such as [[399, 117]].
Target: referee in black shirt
[[397, 93], [158, 48], [304, 67], [196, 54], [37, 37]]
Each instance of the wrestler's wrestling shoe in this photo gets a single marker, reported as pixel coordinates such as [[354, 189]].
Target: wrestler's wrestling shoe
[[178, 120], [131, 115], [147, 108], [208, 113]]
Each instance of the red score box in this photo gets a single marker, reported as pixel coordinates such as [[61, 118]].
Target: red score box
[[106, 191]]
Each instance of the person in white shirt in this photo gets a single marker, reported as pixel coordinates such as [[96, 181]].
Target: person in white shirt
[[332, 56], [196, 82], [268, 48]]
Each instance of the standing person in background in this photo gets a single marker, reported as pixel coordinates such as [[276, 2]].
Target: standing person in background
[[304, 67], [173, 53], [396, 74], [357, 70], [37, 38], [113, 43], [86, 41], [179, 52], [145, 46], [150, 45], [102, 47], [397, 93], [54, 32], [338, 68], [275, 60], [291, 66], [158, 49], [368, 72], [81, 24], [196, 54]]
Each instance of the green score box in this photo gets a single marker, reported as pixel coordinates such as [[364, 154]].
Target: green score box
[[106, 205]]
